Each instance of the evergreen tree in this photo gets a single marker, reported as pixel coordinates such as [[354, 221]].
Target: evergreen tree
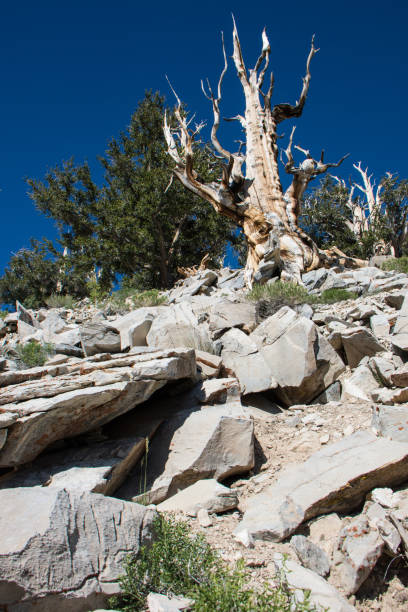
[[138, 224], [325, 216]]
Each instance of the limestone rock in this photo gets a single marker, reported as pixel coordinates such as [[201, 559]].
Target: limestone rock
[[310, 555], [206, 493], [178, 325], [212, 442], [161, 603], [216, 391], [322, 594], [336, 478], [358, 550], [241, 358], [360, 384], [380, 325], [390, 396], [399, 377], [38, 422], [227, 314], [99, 338], [300, 359], [210, 365], [358, 342], [100, 468], [135, 325], [391, 422], [324, 531], [64, 551]]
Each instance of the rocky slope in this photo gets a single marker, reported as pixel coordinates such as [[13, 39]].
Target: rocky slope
[[301, 412]]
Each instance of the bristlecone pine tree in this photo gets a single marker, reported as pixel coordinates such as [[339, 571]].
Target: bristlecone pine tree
[[255, 200]]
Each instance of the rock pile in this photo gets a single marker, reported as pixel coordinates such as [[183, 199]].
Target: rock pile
[[303, 413]]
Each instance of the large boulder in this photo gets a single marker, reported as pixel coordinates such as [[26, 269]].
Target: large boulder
[[359, 342], [64, 551], [227, 314], [336, 478], [105, 389], [135, 325], [179, 325], [212, 442], [241, 358], [97, 337], [300, 359]]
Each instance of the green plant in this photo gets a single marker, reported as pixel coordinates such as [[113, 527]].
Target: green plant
[[3, 314], [33, 353], [96, 292], [143, 477], [400, 264], [57, 300], [287, 293], [330, 296], [180, 563], [136, 299]]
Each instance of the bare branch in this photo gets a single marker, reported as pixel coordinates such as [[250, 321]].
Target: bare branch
[[286, 111], [216, 108], [237, 56], [265, 53]]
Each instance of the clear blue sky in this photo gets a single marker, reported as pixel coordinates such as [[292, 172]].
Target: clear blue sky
[[73, 72]]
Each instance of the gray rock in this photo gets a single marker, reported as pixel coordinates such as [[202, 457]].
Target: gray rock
[[380, 325], [360, 384], [226, 314], [288, 338], [399, 377], [212, 442], [64, 551], [401, 324], [299, 580], [207, 493], [39, 422], [99, 338], [161, 603], [331, 394], [234, 281], [358, 342], [315, 279], [359, 548], [24, 315], [310, 555], [100, 468], [134, 326], [382, 368], [391, 422], [390, 396], [336, 478], [216, 391], [395, 300], [241, 358], [178, 325], [378, 519], [210, 365]]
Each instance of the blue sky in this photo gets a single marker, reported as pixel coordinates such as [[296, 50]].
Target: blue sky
[[72, 74]]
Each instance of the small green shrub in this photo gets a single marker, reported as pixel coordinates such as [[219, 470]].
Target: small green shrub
[[56, 300], [330, 296], [33, 353], [3, 314], [150, 297], [289, 293], [180, 563], [96, 293], [399, 264]]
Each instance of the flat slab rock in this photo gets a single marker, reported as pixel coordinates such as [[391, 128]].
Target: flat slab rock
[[112, 387], [322, 594], [99, 468], [212, 442], [64, 551], [206, 493], [335, 479]]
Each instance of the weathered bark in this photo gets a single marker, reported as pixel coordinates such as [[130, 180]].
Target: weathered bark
[[255, 201]]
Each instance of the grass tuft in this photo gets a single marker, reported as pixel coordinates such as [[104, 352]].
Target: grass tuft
[[399, 264], [56, 300]]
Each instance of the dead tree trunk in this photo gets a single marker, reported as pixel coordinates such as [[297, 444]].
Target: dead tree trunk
[[255, 200]]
